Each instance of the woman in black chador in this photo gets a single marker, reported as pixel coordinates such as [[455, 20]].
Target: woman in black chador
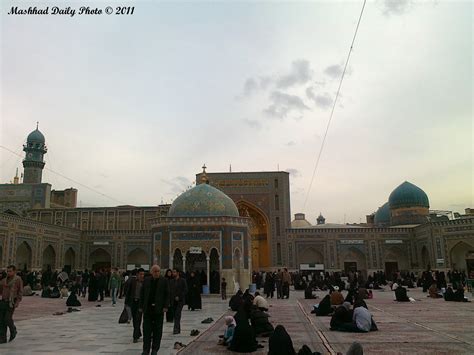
[[194, 292]]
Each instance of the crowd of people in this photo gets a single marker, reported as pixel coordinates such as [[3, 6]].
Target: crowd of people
[[151, 298]]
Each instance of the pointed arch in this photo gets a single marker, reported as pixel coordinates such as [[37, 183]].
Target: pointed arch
[[310, 255], [138, 256], [100, 258], [70, 258], [49, 258], [259, 227], [460, 254], [23, 256]]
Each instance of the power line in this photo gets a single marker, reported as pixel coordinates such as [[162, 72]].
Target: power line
[[65, 177], [334, 105]]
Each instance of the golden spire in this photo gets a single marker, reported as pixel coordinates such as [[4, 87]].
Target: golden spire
[[204, 179], [16, 179]]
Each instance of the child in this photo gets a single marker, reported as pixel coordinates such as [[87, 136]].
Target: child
[[223, 289], [229, 331]]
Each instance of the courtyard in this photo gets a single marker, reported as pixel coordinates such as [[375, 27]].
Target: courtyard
[[428, 326]]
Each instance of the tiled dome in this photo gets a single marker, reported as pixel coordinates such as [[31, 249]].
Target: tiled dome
[[201, 201]]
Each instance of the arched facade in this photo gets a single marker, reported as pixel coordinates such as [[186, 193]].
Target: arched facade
[[259, 234], [425, 258]]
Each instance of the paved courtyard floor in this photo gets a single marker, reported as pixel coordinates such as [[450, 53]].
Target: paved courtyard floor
[[428, 326]]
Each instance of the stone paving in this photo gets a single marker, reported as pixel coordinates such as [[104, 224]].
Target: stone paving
[[428, 326], [94, 330]]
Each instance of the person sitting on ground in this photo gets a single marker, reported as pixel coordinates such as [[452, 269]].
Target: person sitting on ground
[[308, 293], [363, 293], [449, 293], [64, 292], [324, 308], [260, 302], [459, 295], [351, 296], [433, 291], [260, 323], [72, 300], [362, 321], [229, 331], [342, 315], [336, 297], [46, 293], [55, 293], [244, 340], [27, 291], [235, 301], [401, 294], [280, 342]]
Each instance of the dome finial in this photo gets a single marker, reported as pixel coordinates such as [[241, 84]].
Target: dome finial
[[37, 124], [204, 178]]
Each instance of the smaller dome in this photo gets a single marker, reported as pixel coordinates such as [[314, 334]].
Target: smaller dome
[[382, 216], [202, 201], [300, 221], [408, 195], [35, 137]]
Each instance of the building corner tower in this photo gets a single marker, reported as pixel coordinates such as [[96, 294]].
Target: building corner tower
[[33, 164]]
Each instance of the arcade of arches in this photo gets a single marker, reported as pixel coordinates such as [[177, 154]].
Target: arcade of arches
[[259, 234]]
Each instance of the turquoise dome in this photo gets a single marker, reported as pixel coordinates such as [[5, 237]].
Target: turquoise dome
[[202, 201], [382, 216], [408, 195], [35, 137]]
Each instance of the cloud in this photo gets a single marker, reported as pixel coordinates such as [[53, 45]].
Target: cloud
[[283, 104], [177, 185], [290, 143], [323, 101], [300, 73], [334, 71], [293, 172], [252, 123], [396, 7], [250, 86]]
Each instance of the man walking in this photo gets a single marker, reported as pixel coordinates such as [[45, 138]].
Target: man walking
[[114, 285], [11, 292], [154, 300], [133, 289], [178, 290], [285, 281]]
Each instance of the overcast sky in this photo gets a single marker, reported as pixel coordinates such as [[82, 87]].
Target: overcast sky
[[132, 106]]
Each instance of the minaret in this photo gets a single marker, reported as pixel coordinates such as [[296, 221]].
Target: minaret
[[16, 179], [33, 164]]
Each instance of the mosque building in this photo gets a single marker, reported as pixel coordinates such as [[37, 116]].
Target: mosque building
[[229, 224]]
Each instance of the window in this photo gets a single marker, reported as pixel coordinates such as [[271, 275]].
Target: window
[[276, 183], [277, 222], [277, 202]]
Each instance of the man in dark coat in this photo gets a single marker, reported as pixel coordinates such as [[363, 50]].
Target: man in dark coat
[[132, 290], [178, 290], [194, 292], [154, 301]]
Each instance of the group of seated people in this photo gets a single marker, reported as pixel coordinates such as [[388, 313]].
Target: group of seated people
[[252, 321], [343, 318], [449, 294]]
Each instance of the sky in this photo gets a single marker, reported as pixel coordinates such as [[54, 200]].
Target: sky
[[133, 106]]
